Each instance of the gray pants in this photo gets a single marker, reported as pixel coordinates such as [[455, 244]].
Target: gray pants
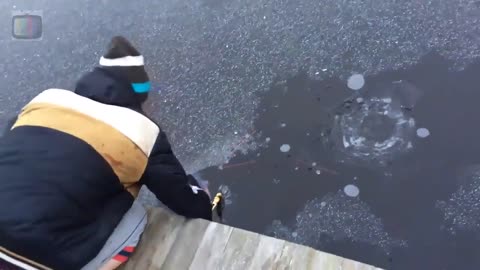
[[126, 234]]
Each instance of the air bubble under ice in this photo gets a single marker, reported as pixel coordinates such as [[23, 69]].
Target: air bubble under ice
[[285, 148], [351, 190], [356, 82], [423, 133]]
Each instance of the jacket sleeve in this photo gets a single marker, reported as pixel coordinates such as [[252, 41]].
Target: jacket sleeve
[[9, 125], [166, 178]]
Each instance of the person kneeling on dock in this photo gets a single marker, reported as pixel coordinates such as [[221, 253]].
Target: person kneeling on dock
[[72, 165]]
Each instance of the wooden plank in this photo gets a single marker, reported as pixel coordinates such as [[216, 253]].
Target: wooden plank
[[210, 252], [156, 241], [353, 265], [293, 257], [164, 239], [188, 240], [321, 260], [268, 253], [304, 258], [240, 250], [297, 257], [284, 261], [171, 242]]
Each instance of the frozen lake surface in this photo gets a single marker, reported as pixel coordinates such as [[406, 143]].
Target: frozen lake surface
[[349, 126]]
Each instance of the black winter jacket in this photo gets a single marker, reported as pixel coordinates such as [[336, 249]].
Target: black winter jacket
[[72, 165]]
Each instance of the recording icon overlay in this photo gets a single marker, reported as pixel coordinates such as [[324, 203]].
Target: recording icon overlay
[[27, 25]]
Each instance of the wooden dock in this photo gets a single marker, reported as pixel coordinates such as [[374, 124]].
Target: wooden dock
[[172, 242]]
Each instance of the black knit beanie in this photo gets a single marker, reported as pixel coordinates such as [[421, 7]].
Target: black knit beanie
[[122, 56]]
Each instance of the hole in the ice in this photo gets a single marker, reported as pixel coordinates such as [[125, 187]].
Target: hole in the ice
[[376, 127]]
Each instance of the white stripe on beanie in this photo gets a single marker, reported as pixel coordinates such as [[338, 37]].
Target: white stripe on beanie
[[126, 61]]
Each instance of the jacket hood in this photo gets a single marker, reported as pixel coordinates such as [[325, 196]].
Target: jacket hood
[[109, 86]]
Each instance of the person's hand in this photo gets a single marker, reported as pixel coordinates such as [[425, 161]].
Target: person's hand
[[203, 184]]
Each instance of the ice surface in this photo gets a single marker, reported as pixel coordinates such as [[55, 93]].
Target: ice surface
[[339, 217], [462, 210], [209, 59]]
